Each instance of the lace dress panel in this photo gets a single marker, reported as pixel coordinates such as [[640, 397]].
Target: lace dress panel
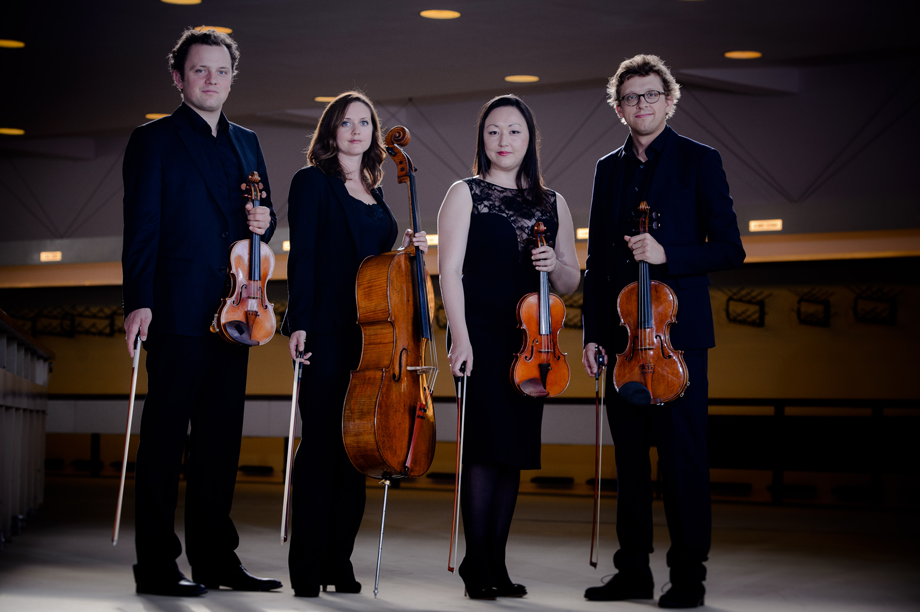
[[511, 204]]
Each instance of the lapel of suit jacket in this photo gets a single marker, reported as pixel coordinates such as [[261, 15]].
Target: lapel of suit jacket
[[615, 185], [341, 192], [666, 165], [202, 161], [246, 154]]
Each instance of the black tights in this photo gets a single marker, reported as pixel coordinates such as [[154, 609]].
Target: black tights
[[488, 496]]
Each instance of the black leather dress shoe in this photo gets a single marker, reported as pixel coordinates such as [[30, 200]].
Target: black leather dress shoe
[[171, 584], [683, 595], [623, 586], [236, 578]]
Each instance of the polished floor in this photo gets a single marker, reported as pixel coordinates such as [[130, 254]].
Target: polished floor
[[763, 558]]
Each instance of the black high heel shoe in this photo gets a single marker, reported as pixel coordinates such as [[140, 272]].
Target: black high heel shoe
[[341, 586], [311, 590], [512, 589], [342, 579], [473, 589]]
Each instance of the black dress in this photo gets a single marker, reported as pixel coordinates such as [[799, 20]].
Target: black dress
[[502, 426], [328, 492]]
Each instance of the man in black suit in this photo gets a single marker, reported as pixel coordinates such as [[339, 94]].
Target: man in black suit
[[183, 209], [698, 233]]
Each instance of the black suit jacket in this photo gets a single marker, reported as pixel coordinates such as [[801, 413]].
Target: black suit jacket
[[177, 233], [699, 232], [323, 261]]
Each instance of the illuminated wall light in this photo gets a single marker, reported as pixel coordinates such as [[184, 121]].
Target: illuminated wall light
[[581, 233], [12, 131], [286, 245], [184, 2], [432, 239], [522, 78], [6, 43], [324, 98], [49, 256], [743, 54], [765, 225], [439, 14], [152, 116], [221, 29]]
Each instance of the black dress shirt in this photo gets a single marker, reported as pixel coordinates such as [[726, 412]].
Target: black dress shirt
[[637, 178], [226, 169]]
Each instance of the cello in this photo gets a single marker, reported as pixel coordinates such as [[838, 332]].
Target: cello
[[388, 423], [650, 370], [246, 316], [540, 369]]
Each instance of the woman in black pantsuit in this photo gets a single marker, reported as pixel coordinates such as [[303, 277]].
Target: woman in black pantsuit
[[338, 218]]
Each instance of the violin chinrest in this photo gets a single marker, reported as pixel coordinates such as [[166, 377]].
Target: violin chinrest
[[534, 388], [636, 393], [240, 332]]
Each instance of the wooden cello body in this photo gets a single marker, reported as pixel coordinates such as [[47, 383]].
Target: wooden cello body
[[388, 422], [647, 309]]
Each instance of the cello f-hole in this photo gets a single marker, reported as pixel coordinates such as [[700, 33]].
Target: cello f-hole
[[397, 375]]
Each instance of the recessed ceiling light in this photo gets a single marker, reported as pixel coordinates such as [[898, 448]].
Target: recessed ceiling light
[[50, 256], [439, 14], [181, 1], [743, 54], [12, 131], [6, 43], [522, 78], [155, 115], [215, 28], [324, 98]]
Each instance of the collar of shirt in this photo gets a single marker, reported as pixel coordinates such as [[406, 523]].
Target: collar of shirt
[[200, 125], [653, 150]]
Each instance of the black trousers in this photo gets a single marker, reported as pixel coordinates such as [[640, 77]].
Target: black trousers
[[679, 430], [199, 381], [328, 494]]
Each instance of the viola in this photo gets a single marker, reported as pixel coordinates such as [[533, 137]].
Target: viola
[[650, 370], [540, 369], [388, 420], [246, 316]]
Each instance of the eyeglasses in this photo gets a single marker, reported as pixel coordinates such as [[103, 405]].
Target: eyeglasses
[[650, 96]]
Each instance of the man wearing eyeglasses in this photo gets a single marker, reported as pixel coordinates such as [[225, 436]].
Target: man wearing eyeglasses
[[695, 232]]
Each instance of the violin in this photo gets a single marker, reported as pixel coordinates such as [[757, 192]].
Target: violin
[[650, 370], [246, 316], [540, 369], [388, 423]]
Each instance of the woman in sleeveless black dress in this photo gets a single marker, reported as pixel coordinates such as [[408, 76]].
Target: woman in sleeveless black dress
[[486, 265], [337, 217]]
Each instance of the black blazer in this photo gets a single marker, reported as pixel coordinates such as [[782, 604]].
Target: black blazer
[[177, 234], [323, 261], [699, 232]]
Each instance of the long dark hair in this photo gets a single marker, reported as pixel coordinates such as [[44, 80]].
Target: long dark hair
[[529, 180], [323, 152]]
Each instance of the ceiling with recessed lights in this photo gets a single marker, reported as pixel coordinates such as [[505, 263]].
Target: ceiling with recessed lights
[[99, 67]]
